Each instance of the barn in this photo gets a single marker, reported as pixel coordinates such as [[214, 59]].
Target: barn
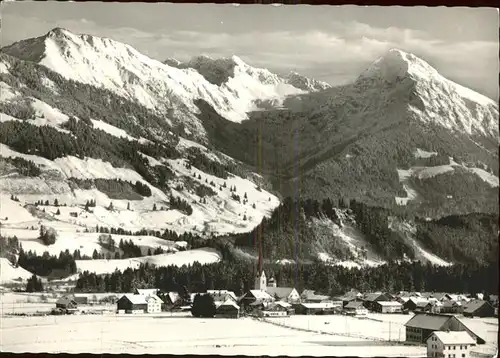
[[479, 308], [67, 303], [421, 326], [130, 303], [228, 309]]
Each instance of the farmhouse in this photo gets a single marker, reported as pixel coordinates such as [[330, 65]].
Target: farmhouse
[[286, 294], [451, 307], [277, 309], [446, 344], [479, 308], [388, 307], [130, 303], [370, 299], [67, 303], [350, 296], [355, 308], [228, 309], [423, 306], [411, 303], [314, 308], [221, 296], [421, 326], [311, 297], [256, 296]]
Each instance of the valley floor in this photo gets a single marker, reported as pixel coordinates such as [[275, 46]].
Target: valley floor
[[166, 333]]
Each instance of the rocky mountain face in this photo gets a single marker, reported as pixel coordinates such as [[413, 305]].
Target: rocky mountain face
[[212, 146]]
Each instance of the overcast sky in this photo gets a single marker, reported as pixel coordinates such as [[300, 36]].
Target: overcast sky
[[333, 44]]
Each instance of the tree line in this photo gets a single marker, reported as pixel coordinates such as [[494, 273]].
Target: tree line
[[331, 280]]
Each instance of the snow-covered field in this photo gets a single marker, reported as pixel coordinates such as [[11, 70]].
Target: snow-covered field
[[203, 256], [178, 334]]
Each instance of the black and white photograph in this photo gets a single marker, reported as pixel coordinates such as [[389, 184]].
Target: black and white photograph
[[249, 179]]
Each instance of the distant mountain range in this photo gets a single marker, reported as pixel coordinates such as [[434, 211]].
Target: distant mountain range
[[218, 144]]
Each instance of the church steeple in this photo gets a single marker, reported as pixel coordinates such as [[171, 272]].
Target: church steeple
[[261, 282]]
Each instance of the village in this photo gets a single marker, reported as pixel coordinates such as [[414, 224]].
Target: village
[[434, 320]]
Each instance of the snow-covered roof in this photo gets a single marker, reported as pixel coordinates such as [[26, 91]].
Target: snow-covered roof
[[460, 337], [154, 298], [261, 295], [136, 299], [229, 303], [389, 303], [318, 305]]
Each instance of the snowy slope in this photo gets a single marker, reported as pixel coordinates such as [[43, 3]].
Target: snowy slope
[[219, 215], [102, 62], [10, 273], [439, 100]]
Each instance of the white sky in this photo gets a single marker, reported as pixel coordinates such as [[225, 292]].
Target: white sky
[[330, 43]]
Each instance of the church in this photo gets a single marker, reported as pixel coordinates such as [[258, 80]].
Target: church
[[286, 294]]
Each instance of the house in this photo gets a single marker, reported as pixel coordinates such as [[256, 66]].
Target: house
[[228, 309], [370, 299], [315, 308], [449, 344], [221, 296], [350, 296], [450, 306], [172, 299], [286, 294], [479, 308], [310, 296], [67, 303], [131, 303], [423, 306], [388, 307], [256, 297], [154, 304], [277, 309], [355, 308], [411, 303], [421, 326]]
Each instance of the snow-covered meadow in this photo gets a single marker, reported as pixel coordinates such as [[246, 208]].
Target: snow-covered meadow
[[180, 334]]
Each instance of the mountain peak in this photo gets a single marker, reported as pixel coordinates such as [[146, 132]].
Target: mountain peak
[[398, 64]]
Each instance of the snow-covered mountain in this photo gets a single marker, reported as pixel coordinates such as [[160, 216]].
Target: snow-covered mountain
[[436, 100], [229, 85], [85, 117]]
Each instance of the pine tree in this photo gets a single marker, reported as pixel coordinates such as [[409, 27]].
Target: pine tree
[[56, 202], [154, 207], [128, 206], [58, 212]]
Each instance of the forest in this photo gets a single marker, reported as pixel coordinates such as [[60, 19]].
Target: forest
[[331, 280], [288, 233]]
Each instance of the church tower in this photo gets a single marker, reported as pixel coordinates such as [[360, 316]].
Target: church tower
[[261, 282]]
